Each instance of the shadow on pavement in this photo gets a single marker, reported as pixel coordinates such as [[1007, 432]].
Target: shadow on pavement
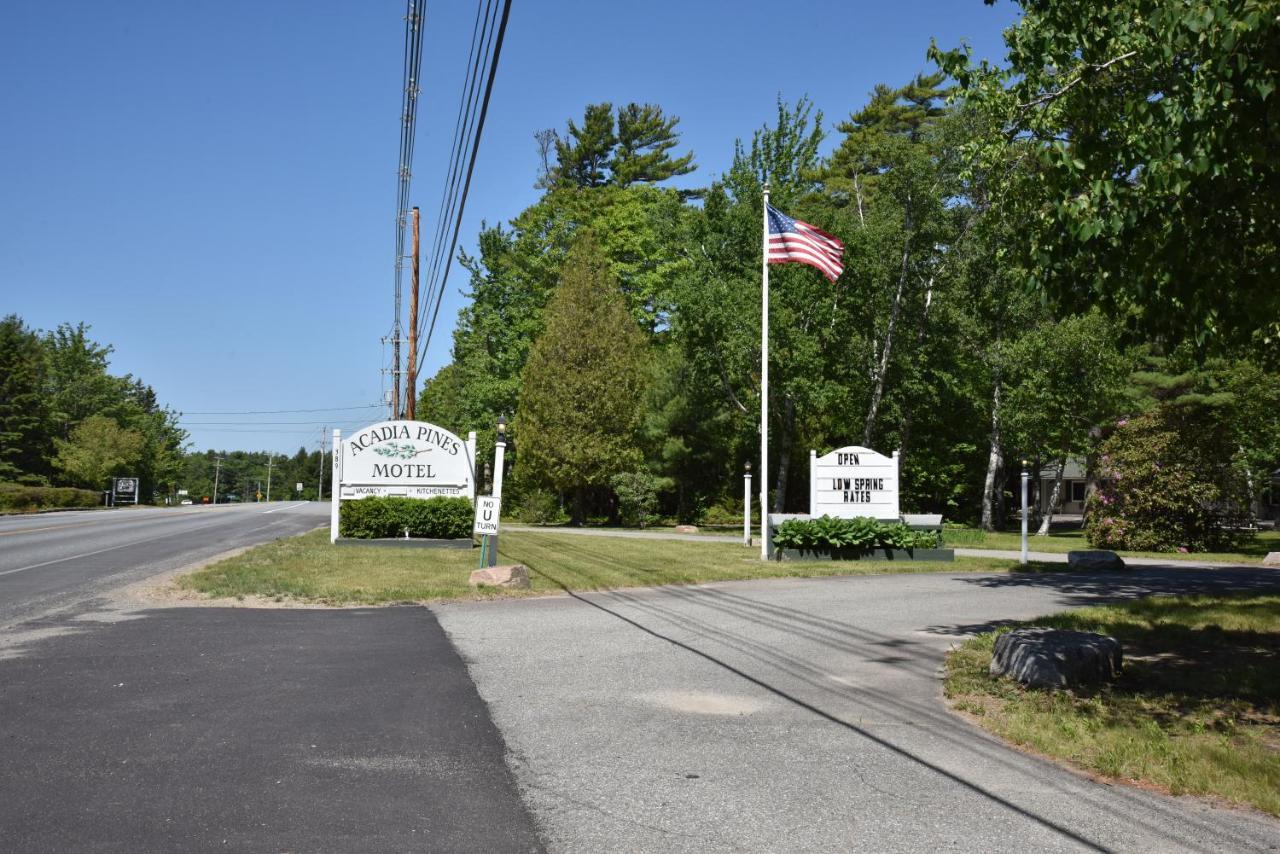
[[1078, 588], [922, 661]]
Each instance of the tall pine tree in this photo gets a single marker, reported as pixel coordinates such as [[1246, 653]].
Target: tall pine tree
[[582, 390]]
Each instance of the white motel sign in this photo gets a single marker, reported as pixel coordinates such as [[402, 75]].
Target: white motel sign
[[412, 459]]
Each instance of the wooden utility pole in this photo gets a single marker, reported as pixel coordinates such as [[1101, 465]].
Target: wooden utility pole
[[411, 376]]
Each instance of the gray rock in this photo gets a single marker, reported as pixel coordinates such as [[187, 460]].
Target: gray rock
[[1097, 559], [1056, 658], [1272, 559], [686, 529]]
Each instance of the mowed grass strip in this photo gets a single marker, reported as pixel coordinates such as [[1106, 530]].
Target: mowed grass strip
[[1196, 710], [308, 569], [1061, 542]]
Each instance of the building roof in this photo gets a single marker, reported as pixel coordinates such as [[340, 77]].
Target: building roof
[[1074, 470]]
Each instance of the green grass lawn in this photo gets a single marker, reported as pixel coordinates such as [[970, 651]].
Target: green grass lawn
[[1064, 541], [308, 568], [1196, 710]]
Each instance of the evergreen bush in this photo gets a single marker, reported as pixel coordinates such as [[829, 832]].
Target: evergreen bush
[[439, 518]]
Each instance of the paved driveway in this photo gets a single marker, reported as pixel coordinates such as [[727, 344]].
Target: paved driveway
[[235, 729], [801, 715]]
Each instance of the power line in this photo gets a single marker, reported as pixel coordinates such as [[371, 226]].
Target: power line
[[415, 19], [286, 411], [481, 37], [261, 423], [471, 165], [308, 432]]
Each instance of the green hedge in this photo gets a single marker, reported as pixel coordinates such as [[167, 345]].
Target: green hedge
[[16, 497], [862, 532], [437, 518]]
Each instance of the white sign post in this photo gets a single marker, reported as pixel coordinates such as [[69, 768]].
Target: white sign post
[[412, 459], [854, 481]]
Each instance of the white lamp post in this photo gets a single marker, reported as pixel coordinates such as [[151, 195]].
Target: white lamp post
[[499, 450], [1026, 478]]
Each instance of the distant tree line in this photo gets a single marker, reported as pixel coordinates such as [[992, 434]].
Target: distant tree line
[[66, 420], [243, 475]]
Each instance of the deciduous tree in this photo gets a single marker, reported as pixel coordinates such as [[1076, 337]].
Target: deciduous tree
[[97, 449], [1152, 140]]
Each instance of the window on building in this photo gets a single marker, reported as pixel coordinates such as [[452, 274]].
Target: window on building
[[1077, 490]]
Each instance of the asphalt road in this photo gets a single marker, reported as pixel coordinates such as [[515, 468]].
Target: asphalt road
[[63, 561], [223, 729], [130, 727], [804, 715]]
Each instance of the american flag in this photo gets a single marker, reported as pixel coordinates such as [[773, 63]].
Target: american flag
[[794, 242]]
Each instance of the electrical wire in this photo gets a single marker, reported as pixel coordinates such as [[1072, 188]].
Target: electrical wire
[[415, 20], [466, 187], [260, 423], [286, 411], [481, 37]]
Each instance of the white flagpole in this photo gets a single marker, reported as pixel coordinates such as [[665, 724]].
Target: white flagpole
[[764, 384]]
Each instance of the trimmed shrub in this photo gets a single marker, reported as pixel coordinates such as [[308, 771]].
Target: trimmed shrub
[[18, 498], [859, 533], [439, 518], [637, 493], [539, 507], [726, 512], [1169, 481]]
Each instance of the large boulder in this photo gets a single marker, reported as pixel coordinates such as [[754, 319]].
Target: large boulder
[[686, 529], [514, 576], [1094, 560], [1056, 658], [1272, 559]]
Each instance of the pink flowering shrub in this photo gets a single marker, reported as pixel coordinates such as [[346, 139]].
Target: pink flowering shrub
[[1168, 481]]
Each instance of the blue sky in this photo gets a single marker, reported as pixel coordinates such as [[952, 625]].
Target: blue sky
[[211, 186]]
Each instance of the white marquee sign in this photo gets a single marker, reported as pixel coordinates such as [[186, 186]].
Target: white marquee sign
[[413, 459], [854, 481]]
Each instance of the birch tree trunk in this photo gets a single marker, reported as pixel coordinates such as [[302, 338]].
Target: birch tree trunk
[[1054, 497], [995, 463], [904, 428], [882, 370]]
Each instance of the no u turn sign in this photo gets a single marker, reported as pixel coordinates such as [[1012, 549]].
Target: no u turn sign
[[487, 515]]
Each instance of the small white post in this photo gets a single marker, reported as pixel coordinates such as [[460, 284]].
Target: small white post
[[335, 486], [1025, 479], [746, 506]]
